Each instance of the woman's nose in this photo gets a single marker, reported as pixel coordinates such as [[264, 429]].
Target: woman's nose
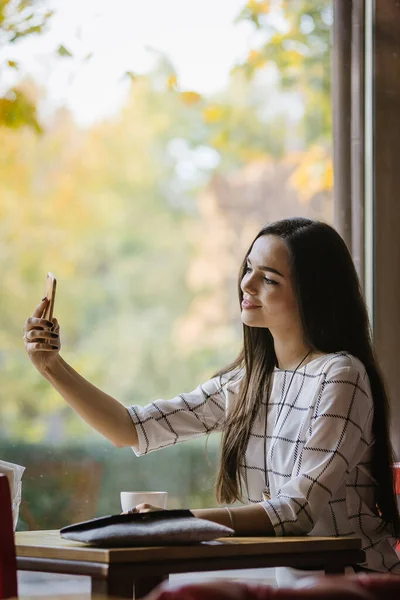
[[248, 285]]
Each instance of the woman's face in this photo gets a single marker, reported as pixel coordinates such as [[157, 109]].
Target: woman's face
[[268, 295]]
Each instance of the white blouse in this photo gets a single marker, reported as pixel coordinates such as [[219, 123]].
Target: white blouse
[[310, 447]]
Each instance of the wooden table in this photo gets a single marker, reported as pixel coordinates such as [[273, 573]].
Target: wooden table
[[120, 571]]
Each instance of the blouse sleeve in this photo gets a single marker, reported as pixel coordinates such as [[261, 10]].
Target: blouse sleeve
[[338, 436], [166, 422]]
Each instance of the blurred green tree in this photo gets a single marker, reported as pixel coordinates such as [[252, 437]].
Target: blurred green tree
[[296, 40], [112, 211]]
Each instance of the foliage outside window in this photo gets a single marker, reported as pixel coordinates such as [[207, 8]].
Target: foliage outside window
[[144, 216]]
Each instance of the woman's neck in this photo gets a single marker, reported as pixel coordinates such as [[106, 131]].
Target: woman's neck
[[289, 352]]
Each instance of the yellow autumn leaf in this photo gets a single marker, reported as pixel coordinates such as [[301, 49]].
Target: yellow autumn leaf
[[172, 82], [253, 155], [294, 58], [255, 58], [190, 98], [221, 140], [277, 39], [259, 7], [213, 114], [327, 179], [313, 173]]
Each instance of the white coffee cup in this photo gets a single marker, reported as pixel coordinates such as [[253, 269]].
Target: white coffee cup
[[131, 499]]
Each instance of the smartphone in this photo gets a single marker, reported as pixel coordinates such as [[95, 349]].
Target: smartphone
[[51, 284]]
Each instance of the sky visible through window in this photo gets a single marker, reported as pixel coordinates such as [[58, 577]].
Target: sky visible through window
[[201, 39]]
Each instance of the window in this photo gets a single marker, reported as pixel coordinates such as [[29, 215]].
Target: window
[[143, 145]]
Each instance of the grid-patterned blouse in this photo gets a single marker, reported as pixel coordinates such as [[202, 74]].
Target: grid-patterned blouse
[[310, 447]]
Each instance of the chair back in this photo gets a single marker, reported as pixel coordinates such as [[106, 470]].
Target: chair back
[[8, 561], [396, 473], [396, 470]]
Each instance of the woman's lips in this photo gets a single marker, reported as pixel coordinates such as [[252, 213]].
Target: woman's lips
[[249, 305]]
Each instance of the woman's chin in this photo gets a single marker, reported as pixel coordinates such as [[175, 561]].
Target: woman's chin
[[251, 321]]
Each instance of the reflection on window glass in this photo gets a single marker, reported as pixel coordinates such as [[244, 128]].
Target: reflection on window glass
[[142, 147]]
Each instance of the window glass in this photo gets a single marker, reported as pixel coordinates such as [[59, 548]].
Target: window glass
[[142, 147]]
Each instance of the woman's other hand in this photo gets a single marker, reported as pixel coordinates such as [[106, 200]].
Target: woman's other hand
[[42, 338], [143, 508]]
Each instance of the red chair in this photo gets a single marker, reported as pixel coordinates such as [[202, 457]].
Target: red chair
[[339, 587], [8, 562], [396, 470]]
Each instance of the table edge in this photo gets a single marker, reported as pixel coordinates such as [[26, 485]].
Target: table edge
[[222, 547]]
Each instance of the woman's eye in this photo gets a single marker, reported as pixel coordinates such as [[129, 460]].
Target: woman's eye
[[247, 269], [270, 281]]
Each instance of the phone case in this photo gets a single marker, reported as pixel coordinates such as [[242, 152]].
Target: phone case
[[51, 284], [169, 527]]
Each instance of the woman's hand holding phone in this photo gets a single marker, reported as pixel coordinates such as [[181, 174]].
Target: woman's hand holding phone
[[103, 412], [42, 332]]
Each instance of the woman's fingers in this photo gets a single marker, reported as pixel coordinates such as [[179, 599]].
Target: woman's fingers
[[31, 334], [37, 323], [40, 308], [144, 508], [41, 335], [41, 338], [56, 327], [40, 347]]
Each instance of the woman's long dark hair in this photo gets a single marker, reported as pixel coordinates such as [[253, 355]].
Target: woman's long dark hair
[[334, 318]]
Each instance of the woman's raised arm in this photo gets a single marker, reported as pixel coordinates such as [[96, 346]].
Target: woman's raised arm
[[101, 411]]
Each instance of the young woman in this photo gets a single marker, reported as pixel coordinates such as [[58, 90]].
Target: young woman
[[303, 409]]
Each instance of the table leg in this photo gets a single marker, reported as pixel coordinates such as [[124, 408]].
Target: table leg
[[334, 569], [146, 585], [123, 583], [119, 582]]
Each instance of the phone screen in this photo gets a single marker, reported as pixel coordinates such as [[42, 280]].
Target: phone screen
[[51, 284]]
